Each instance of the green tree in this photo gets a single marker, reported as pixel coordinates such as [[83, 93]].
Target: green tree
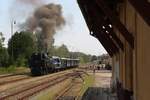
[[62, 51], [3, 52], [84, 58], [1, 40], [4, 57], [21, 46], [93, 58], [51, 51]]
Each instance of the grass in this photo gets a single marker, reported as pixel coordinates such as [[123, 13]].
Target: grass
[[88, 82], [13, 70]]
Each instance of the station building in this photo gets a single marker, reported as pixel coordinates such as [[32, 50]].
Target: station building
[[123, 28]]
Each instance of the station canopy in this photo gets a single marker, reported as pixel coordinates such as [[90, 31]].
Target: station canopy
[[102, 19]]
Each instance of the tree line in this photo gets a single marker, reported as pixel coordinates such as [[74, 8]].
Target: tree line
[[21, 46]]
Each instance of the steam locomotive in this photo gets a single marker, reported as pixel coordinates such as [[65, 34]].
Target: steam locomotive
[[41, 63]]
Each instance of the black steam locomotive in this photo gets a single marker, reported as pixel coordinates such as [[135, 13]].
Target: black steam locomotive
[[41, 64]]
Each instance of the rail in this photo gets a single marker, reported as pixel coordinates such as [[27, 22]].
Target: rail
[[27, 92]]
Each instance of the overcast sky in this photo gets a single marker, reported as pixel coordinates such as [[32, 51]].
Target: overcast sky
[[75, 33]]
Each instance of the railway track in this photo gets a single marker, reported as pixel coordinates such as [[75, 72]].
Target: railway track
[[13, 80], [7, 75], [61, 96], [26, 92], [65, 94], [11, 75]]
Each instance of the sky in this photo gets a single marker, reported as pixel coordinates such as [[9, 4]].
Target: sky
[[75, 34]]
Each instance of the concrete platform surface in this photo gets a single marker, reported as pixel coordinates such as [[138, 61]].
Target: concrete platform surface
[[101, 87]]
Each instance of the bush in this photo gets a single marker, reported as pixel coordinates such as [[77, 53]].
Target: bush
[[4, 57], [20, 61], [7, 69]]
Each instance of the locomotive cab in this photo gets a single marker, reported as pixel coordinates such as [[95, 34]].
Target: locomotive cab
[[39, 64], [56, 62]]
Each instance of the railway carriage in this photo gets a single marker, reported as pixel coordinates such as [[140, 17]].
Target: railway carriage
[[64, 63]]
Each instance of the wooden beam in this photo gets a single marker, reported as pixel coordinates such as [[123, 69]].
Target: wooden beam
[[102, 41], [84, 13], [107, 39], [103, 22], [100, 21], [105, 36], [97, 28], [115, 37], [143, 8], [116, 22]]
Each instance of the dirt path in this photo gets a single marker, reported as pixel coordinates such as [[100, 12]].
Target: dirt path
[[102, 79]]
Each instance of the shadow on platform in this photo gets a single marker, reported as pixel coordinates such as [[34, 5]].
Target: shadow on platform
[[98, 93]]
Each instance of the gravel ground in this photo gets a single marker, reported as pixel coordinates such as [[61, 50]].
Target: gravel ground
[[8, 88]]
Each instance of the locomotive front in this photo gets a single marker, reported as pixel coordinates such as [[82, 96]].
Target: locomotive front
[[40, 64]]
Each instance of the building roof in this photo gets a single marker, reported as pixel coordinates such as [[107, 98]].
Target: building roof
[[101, 19]]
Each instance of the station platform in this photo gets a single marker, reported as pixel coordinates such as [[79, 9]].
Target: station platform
[[101, 87]]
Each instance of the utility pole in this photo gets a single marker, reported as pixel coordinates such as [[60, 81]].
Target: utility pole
[[12, 28]]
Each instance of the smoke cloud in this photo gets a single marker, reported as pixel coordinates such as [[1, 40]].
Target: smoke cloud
[[22, 8], [30, 2], [45, 21]]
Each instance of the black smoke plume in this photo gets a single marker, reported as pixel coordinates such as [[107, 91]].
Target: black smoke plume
[[45, 21]]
